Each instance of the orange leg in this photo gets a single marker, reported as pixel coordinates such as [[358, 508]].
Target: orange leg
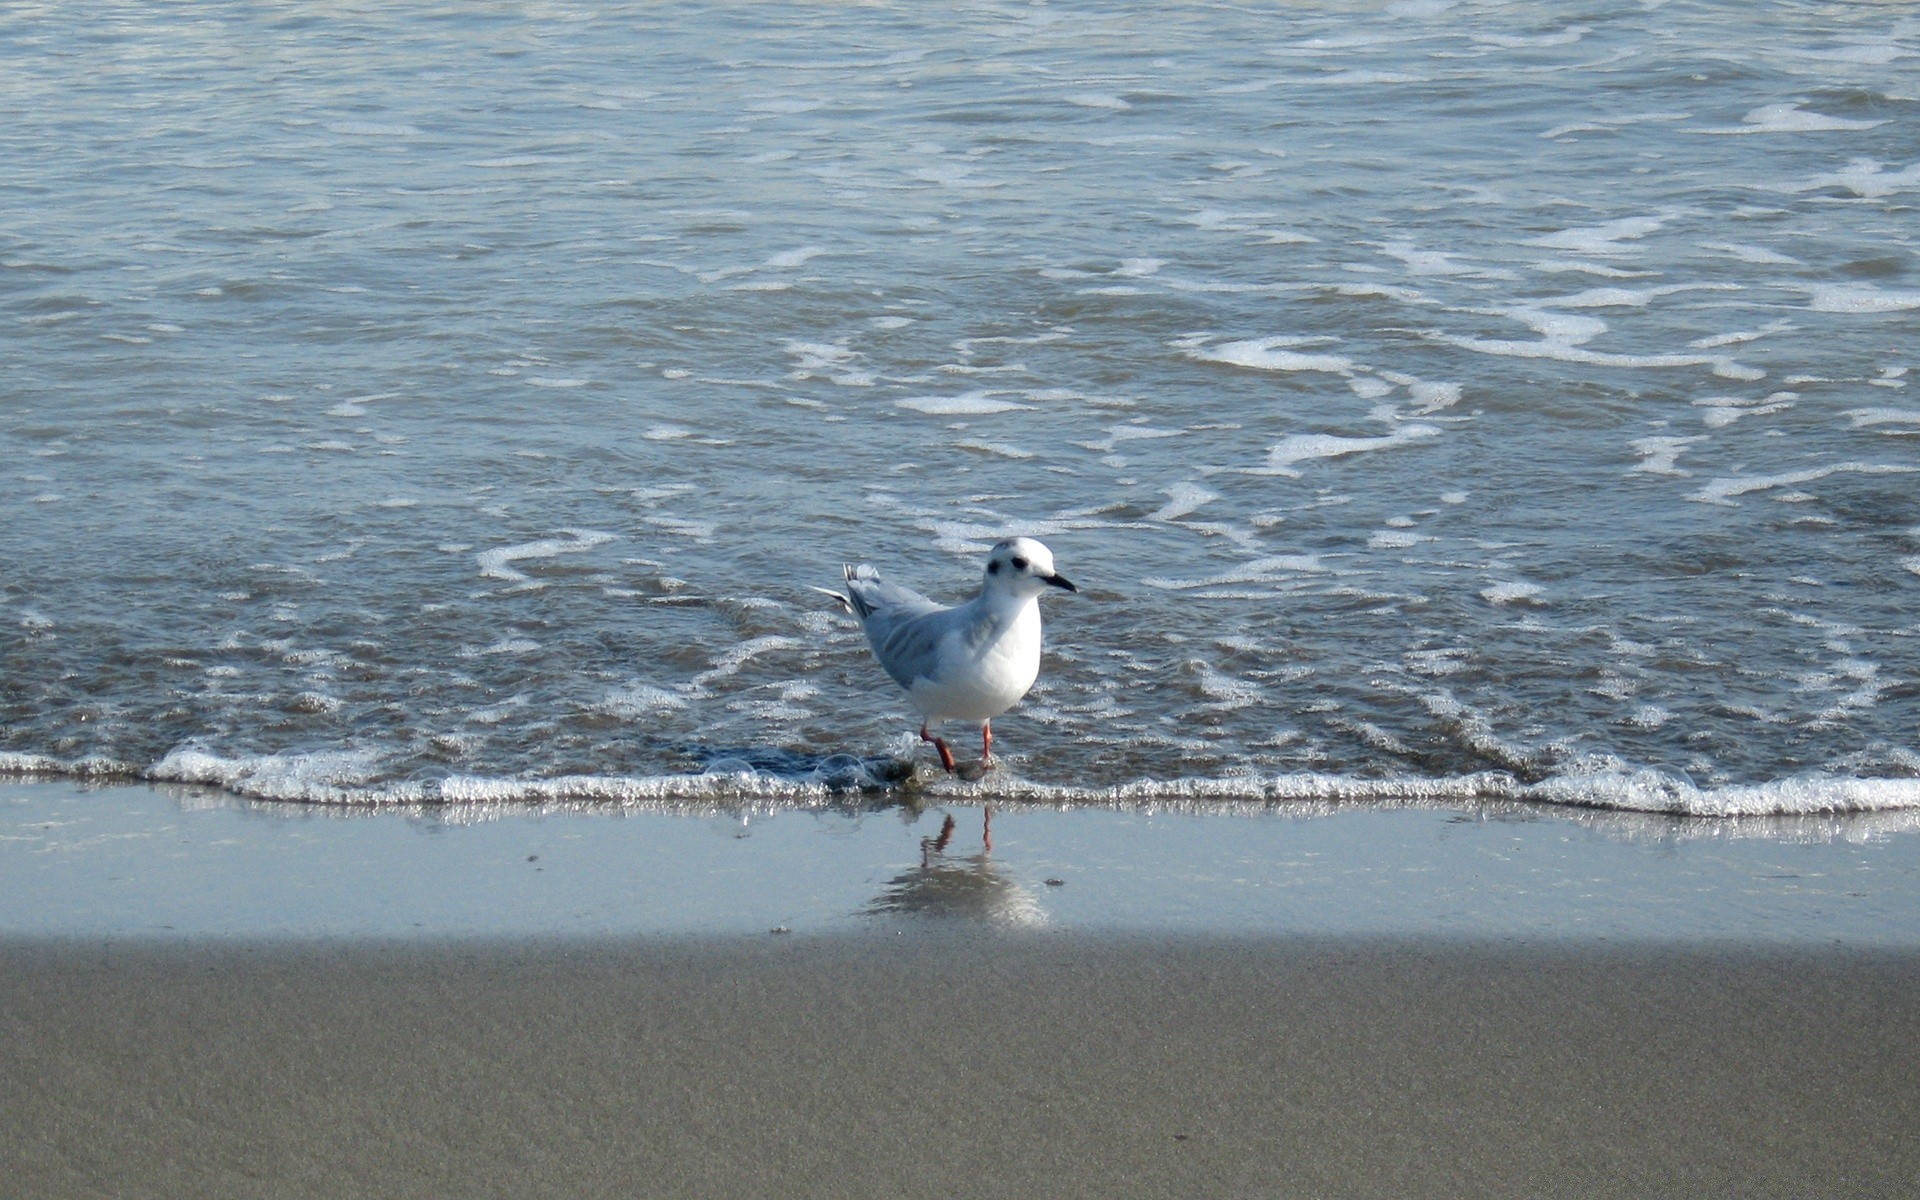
[[986, 742], [946, 755]]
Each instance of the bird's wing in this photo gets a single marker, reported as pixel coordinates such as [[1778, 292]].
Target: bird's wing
[[908, 645], [872, 597], [903, 627]]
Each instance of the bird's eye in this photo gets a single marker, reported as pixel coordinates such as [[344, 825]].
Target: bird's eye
[[993, 568], [1019, 564]]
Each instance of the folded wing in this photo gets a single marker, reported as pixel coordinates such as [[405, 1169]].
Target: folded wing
[[903, 627]]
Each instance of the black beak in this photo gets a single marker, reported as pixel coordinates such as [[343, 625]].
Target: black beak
[[1059, 581]]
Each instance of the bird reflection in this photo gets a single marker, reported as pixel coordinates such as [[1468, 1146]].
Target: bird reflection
[[961, 886]]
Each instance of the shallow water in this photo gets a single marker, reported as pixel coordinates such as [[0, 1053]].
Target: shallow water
[[182, 862], [1431, 399]]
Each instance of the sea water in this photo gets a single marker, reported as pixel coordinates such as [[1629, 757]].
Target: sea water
[[455, 404]]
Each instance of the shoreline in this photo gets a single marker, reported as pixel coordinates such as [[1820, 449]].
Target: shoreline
[[841, 781], [950, 1063], [167, 863]]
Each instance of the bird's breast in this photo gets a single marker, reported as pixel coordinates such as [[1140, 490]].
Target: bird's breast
[[983, 676]]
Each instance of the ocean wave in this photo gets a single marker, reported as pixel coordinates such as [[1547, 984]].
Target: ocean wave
[[354, 778]]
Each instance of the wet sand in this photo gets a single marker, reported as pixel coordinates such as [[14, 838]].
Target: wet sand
[[934, 1063]]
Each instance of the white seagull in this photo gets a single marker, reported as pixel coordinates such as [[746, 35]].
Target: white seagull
[[967, 663]]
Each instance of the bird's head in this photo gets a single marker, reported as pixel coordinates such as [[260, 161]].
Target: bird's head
[[1023, 567]]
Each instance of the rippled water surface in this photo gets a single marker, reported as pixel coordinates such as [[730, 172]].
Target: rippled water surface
[[1431, 398]]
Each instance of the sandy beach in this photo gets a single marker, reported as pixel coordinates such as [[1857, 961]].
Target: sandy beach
[[956, 1064], [200, 996]]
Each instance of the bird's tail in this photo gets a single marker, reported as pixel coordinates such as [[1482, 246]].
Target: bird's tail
[[851, 601], [854, 601], [844, 601]]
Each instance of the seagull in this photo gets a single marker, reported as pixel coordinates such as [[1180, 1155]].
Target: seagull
[[971, 662]]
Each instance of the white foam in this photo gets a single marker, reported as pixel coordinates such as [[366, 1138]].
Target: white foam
[[1620, 297], [1303, 447], [1758, 255], [1568, 351], [493, 563], [1653, 791], [1261, 570], [1603, 239], [1436, 663], [1439, 262], [997, 449], [513, 161], [1216, 220], [1565, 37], [1272, 354], [1877, 52], [1865, 417], [1742, 336], [786, 105], [968, 404], [1861, 298], [373, 129], [953, 175], [1395, 539], [1723, 490], [1788, 118], [1096, 100], [786, 260], [1560, 266], [827, 360], [730, 660], [354, 778], [1722, 411], [1184, 498], [12, 762], [1514, 591], [1564, 329], [330, 776], [1660, 455], [503, 646], [1864, 177], [1116, 434], [1431, 396], [970, 538], [699, 531], [1648, 716], [1224, 692], [637, 699], [1368, 77]]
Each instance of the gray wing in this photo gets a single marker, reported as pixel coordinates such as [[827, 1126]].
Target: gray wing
[[909, 649], [903, 627], [871, 596]]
